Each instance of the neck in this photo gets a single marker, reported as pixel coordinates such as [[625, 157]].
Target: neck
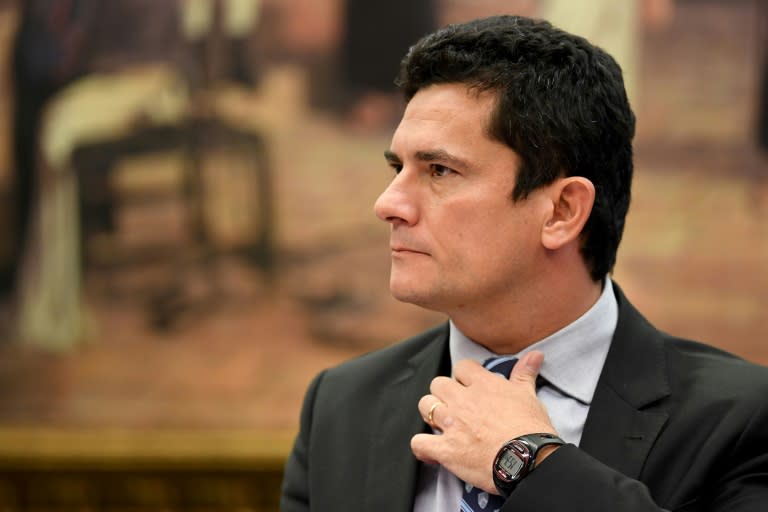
[[509, 326]]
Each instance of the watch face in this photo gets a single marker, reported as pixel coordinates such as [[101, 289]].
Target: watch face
[[512, 461], [510, 464]]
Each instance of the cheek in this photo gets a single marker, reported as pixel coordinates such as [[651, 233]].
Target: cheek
[[482, 229], [500, 241], [487, 232]]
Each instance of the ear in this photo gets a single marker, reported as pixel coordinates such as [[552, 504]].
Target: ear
[[572, 200]]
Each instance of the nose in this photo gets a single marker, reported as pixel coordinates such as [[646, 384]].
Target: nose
[[396, 204]]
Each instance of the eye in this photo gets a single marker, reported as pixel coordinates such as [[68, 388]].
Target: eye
[[397, 167], [440, 170]]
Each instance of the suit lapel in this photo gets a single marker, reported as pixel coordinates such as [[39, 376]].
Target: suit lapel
[[619, 435], [634, 377], [392, 468]]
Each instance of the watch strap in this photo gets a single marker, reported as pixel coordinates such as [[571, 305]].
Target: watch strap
[[531, 443]]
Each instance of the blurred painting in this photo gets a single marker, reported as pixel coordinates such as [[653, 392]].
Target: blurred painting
[[186, 192]]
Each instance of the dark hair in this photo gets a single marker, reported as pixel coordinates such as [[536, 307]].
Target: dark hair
[[561, 105]]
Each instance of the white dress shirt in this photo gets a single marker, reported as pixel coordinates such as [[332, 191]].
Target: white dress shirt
[[573, 359]]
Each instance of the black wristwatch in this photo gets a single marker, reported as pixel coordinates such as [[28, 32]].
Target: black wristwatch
[[517, 458]]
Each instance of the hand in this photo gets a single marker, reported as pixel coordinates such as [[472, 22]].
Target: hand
[[478, 412]]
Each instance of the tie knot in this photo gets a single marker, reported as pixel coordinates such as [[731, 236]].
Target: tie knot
[[502, 365]]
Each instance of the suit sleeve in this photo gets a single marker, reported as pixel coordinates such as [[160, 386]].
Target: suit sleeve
[[571, 480], [744, 485], [295, 495]]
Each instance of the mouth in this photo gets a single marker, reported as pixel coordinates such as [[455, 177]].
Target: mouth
[[398, 249]]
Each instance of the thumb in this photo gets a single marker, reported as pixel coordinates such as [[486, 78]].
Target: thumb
[[527, 368]]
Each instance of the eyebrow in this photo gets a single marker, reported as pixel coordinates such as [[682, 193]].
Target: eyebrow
[[391, 157], [429, 156]]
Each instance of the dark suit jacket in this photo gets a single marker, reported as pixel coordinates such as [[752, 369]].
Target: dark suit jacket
[[673, 425]]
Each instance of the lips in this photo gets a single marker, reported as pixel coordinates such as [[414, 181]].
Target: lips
[[405, 249]]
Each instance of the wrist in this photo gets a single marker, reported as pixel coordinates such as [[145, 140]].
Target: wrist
[[545, 452], [519, 457]]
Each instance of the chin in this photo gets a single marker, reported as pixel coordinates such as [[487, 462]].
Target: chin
[[417, 297], [406, 294]]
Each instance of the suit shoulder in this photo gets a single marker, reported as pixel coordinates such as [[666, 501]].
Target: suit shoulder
[[702, 354], [714, 369]]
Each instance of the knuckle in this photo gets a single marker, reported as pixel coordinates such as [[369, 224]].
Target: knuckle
[[438, 384]]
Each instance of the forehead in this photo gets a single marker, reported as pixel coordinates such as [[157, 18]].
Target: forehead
[[451, 116]]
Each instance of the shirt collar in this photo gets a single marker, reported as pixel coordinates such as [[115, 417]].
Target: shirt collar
[[573, 356]]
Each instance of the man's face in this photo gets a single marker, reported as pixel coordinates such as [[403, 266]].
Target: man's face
[[458, 241]]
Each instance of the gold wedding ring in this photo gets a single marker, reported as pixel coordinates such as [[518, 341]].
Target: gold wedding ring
[[430, 414]]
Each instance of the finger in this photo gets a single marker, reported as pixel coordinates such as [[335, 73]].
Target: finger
[[465, 371], [425, 447], [429, 405], [425, 403], [527, 368], [441, 386]]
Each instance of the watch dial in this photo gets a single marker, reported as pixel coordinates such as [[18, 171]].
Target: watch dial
[[510, 464]]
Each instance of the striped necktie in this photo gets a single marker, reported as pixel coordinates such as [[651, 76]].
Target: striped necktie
[[474, 499]]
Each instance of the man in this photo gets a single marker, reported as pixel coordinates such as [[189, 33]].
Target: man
[[513, 165]]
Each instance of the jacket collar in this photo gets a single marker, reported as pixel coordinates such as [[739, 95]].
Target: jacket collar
[[633, 378], [392, 467]]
